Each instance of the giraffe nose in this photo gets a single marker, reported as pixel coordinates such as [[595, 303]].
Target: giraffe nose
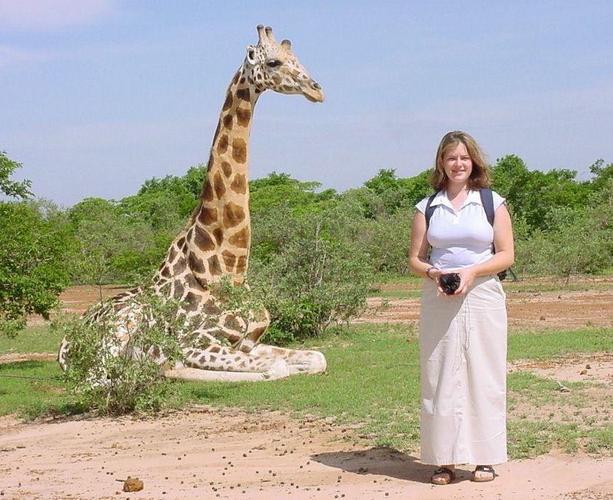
[[316, 86]]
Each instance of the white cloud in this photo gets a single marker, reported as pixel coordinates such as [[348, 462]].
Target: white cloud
[[43, 15]]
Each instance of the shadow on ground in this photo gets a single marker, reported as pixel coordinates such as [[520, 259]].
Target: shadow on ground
[[383, 461]]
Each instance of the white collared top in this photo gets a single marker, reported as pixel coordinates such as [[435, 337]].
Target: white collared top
[[459, 238]]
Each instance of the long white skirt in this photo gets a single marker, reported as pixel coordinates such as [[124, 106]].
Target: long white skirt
[[463, 351]]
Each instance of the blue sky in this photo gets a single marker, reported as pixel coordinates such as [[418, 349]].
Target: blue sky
[[98, 95]]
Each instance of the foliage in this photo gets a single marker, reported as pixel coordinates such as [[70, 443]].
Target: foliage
[[12, 189], [111, 245], [125, 241], [114, 376], [384, 239], [164, 204], [277, 190], [312, 281], [581, 240], [398, 193], [34, 243], [533, 194]]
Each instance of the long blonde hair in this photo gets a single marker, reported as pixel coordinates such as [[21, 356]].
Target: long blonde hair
[[480, 175]]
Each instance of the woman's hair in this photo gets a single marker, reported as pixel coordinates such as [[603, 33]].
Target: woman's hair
[[480, 175]]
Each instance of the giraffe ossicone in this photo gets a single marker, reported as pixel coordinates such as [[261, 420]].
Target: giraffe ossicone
[[215, 244]]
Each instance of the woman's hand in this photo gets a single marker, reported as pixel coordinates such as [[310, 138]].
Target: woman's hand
[[433, 273], [467, 278]]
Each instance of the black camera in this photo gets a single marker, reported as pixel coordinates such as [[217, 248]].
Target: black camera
[[449, 282]]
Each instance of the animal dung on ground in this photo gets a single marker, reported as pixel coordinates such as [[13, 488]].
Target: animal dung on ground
[[132, 484]]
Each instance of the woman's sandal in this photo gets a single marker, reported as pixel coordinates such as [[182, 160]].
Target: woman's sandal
[[484, 473], [442, 475]]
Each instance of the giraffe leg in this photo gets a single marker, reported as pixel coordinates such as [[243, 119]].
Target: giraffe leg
[[257, 324], [225, 363], [298, 361], [62, 355]]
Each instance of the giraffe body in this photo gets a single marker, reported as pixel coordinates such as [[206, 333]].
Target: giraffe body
[[223, 345]]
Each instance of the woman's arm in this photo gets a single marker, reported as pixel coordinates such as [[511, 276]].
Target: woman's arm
[[418, 253], [502, 259]]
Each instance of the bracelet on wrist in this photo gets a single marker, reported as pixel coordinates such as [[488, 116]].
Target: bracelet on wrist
[[428, 271]]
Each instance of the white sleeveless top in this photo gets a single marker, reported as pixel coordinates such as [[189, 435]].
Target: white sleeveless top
[[462, 238]]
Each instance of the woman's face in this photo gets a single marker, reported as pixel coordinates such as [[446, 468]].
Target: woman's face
[[457, 164]]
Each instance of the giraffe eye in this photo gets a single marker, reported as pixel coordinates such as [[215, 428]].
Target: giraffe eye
[[273, 63]]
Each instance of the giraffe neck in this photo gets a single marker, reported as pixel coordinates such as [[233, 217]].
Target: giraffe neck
[[217, 240]]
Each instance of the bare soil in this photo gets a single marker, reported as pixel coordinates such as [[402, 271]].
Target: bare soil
[[225, 453], [527, 307], [204, 452]]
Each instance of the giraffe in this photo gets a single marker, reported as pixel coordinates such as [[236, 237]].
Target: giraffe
[[215, 243]]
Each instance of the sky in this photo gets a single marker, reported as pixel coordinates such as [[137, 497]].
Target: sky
[[96, 96]]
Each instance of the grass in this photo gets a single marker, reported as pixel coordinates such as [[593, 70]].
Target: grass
[[372, 383], [534, 344], [396, 293], [32, 339], [33, 388]]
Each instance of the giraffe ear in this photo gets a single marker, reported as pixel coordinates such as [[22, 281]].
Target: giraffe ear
[[251, 54], [287, 45]]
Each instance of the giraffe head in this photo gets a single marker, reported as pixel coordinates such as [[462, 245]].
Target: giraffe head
[[274, 66]]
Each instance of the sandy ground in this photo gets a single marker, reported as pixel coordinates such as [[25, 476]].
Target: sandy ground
[[211, 453], [525, 309]]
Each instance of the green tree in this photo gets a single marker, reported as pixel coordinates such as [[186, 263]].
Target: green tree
[[533, 194], [313, 280], [397, 193], [602, 175], [112, 246], [277, 190], [12, 189], [35, 239], [580, 241]]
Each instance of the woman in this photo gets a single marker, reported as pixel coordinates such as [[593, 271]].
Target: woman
[[463, 336]]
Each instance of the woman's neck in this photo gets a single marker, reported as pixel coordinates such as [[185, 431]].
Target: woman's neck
[[455, 190]]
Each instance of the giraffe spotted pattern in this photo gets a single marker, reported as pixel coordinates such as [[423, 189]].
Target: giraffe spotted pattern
[[216, 241]]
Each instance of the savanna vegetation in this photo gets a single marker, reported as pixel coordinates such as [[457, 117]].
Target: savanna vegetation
[[372, 386], [315, 251], [315, 256]]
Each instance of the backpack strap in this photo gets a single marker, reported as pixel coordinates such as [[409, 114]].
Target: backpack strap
[[487, 199], [429, 209]]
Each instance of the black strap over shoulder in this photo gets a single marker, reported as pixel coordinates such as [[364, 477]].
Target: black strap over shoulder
[[429, 209], [487, 199]]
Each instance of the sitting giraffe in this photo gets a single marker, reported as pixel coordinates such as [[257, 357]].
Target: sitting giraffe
[[225, 345]]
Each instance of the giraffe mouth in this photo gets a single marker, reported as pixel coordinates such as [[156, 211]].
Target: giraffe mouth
[[314, 95]]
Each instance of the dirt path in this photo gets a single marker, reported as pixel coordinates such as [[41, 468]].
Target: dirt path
[[557, 309], [210, 453], [527, 308]]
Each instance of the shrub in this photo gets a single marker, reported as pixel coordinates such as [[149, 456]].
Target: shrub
[[580, 241], [34, 242], [112, 377], [312, 281]]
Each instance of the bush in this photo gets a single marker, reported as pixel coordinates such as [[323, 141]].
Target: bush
[[113, 246], [34, 243], [382, 238], [581, 241], [312, 281], [128, 380]]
